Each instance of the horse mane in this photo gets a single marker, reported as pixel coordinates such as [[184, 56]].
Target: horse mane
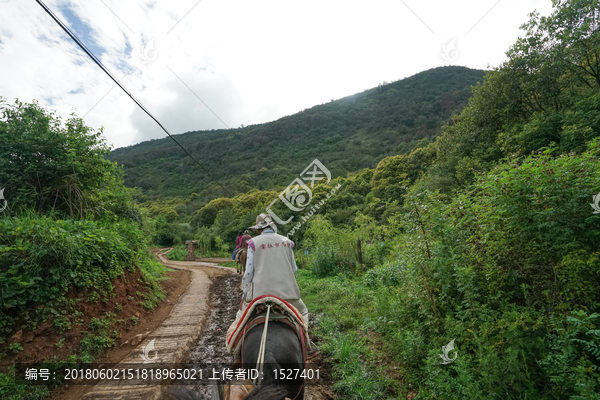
[[258, 393], [180, 393], [267, 393]]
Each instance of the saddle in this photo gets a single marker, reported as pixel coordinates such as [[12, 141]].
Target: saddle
[[255, 314], [238, 252]]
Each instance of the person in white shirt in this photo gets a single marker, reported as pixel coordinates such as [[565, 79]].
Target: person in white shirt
[[271, 269]]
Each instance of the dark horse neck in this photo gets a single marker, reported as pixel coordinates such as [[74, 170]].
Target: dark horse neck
[[283, 353]]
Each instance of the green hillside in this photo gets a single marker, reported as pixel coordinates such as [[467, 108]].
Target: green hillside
[[347, 135]]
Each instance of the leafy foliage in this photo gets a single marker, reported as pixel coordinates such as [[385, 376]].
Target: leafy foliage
[[494, 243], [47, 166], [71, 224], [510, 259], [335, 250], [547, 92], [394, 174]]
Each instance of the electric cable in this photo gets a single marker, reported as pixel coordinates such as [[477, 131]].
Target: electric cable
[[99, 63]]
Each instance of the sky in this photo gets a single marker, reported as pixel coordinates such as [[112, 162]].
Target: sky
[[208, 64]]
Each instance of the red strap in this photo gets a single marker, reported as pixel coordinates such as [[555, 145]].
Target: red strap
[[250, 307]]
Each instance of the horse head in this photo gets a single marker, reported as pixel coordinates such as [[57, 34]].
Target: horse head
[[235, 393]]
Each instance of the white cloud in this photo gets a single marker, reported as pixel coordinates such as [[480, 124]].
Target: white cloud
[[250, 62]]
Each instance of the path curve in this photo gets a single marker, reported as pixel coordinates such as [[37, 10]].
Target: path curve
[[174, 337]]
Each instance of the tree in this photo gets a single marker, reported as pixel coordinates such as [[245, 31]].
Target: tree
[[394, 174], [529, 101], [45, 165]]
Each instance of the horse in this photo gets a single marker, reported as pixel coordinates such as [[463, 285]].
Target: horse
[[241, 258], [283, 351]]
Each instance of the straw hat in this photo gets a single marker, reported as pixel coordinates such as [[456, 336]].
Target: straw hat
[[263, 221]]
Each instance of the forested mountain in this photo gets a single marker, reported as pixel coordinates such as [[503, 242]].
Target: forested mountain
[[347, 135]]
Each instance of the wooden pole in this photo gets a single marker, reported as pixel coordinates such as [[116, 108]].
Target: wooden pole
[[424, 234]]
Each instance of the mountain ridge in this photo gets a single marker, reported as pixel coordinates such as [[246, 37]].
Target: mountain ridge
[[347, 135]]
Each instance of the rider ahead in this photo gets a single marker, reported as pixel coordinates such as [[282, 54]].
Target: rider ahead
[[245, 238], [271, 269]]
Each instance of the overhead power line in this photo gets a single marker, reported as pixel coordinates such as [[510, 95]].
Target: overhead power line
[[99, 63]]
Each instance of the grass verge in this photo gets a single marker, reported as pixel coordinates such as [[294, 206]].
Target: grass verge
[[231, 264], [343, 309]]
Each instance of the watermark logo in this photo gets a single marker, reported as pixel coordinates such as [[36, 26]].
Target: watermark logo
[[313, 209], [148, 53], [449, 52], [596, 204], [3, 200], [147, 349], [298, 195], [446, 349], [317, 172]]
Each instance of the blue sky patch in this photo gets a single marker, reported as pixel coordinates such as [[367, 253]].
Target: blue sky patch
[[77, 91], [83, 31]]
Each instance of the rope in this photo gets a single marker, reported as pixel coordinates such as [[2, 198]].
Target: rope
[[299, 391], [298, 331], [261, 352]]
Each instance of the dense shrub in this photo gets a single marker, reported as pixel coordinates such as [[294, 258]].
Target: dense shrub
[[41, 258], [334, 250], [389, 274], [509, 269], [70, 224], [48, 166], [513, 277], [177, 254]]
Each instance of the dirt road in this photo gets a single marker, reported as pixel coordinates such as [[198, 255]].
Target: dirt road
[[194, 333], [225, 295]]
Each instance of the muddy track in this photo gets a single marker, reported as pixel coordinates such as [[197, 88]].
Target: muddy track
[[225, 295], [210, 348]]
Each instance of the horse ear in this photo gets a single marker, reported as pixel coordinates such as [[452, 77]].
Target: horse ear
[[267, 393]]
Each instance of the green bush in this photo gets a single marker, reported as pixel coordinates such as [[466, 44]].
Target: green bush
[[511, 261], [42, 258], [177, 253], [13, 389], [508, 269], [334, 250], [572, 362], [51, 167], [169, 234], [325, 263], [388, 274]]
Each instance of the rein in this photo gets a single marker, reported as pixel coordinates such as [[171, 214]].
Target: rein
[[261, 351]]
